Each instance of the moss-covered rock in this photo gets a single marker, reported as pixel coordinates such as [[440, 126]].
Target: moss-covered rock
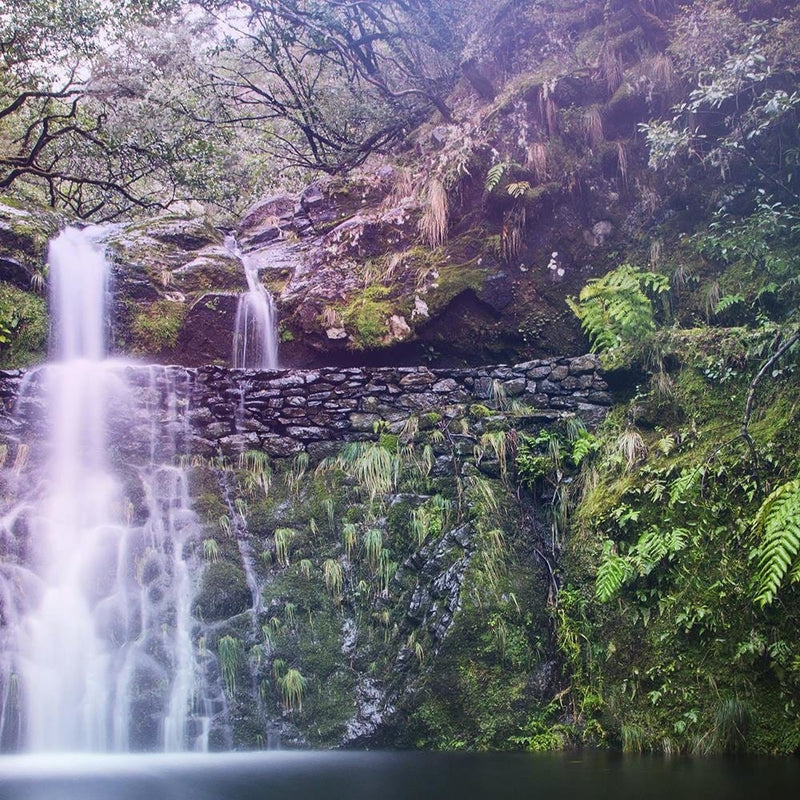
[[223, 592]]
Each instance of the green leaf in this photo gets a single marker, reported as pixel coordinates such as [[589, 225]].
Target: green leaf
[[778, 524]]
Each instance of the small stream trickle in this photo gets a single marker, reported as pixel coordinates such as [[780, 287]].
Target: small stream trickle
[[255, 338]]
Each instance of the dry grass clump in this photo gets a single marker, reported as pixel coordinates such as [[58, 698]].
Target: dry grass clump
[[433, 225]]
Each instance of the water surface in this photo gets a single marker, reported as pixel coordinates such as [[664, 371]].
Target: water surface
[[390, 776]]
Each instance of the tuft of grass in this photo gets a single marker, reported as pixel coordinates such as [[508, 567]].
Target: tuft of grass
[[536, 161], [622, 162], [631, 446], [210, 550], [592, 124], [375, 467], [334, 577], [258, 473], [373, 546], [728, 735], [434, 221], [293, 687], [283, 541], [230, 650], [349, 539], [634, 739]]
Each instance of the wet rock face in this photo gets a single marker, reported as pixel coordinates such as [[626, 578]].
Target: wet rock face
[[25, 231], [185, 262], [210, 411]]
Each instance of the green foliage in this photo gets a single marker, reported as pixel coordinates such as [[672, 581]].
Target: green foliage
[[156, 327], [777, 523], [293, 687], [668, 541], [494, 175], [616, 311], [612, 573], [103, 135], [653, 545], [23, 326], [758, 250], [743, 109], [230, 652]]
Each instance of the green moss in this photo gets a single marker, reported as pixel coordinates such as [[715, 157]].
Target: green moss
[[223, 592], [156, 327], [366, 315], [23, 327], [429, 420], [453, 280]]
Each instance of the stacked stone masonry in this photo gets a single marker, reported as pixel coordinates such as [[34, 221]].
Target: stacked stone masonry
[[214, 410]]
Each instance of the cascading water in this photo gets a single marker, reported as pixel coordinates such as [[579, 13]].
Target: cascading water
[[255, 339], [98, 640]]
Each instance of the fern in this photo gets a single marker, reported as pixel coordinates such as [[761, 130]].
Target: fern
[[613, 572], [683, 486], [495, 175], [617, 309], [518, 189], [726, 302], [654, 545], [585, 444], [778, 524]]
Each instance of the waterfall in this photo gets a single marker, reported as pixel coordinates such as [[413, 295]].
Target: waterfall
[[255, 338], [98, 640]]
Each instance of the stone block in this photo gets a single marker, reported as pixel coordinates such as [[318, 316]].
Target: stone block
[[583, 364], [364, 422], [539, 372], [514, 387]]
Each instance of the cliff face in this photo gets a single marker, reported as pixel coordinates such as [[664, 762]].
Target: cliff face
[[355, 525]]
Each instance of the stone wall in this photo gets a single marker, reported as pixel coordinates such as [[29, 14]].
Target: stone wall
[[214, 410]]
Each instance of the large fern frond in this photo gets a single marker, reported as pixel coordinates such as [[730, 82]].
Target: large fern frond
[[495, 175], [613, 572], [778, 524], [617, 308]]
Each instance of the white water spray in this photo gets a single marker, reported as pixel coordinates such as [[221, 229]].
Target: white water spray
[[255, 338], [102, 633]]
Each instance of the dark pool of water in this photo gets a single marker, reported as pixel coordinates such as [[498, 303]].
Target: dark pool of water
[[391, 776]]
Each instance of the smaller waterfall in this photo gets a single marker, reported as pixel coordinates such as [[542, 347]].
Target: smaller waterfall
[[255, 339]]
